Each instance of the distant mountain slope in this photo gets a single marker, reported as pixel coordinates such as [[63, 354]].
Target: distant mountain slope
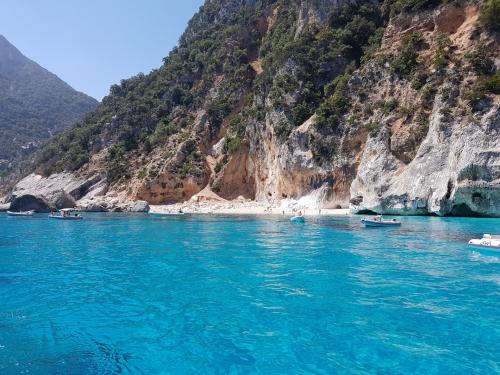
[[34, 104]]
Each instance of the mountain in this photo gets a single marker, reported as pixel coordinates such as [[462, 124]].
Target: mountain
[[392, 107], [34, 105]]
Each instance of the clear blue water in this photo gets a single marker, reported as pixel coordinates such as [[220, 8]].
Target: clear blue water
[[183, 295]]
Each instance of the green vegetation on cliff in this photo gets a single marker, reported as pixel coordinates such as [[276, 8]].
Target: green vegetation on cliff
[[306, 67], [146, 110], [395, 7], [241, 64], [490, 15]]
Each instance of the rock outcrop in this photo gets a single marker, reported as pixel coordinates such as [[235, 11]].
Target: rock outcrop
[[139, 206], [35, 192], [316, 11], [65, 190], [452, 174]]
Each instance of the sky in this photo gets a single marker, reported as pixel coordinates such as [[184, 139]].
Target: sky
[[92, 44]]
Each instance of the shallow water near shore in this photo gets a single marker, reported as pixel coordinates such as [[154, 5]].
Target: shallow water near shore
[[203, 294]]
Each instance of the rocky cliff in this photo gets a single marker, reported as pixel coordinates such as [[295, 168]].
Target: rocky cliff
[[438, 151], [375, 106]]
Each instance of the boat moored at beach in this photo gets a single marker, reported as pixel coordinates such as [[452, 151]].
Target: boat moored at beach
[[487, 242], [66, 214], [378, 221], [21, 213]]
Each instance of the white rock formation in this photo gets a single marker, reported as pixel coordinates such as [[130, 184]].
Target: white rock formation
[[456, 171]]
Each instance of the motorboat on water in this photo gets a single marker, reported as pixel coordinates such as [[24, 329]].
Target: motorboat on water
[[66, 214], [21, 213], [378, 221], [487, 242]]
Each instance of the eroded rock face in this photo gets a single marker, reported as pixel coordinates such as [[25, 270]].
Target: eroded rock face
[[41, 204], [456, 172], [93, 206], [167, 189], [65, 190], [235, 180], [44, 194], [289, 170]]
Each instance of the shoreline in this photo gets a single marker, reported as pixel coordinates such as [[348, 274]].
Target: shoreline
[[242, 208]]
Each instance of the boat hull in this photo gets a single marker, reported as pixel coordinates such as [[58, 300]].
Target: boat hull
[[57, 217], [27, 213], [485, 244]]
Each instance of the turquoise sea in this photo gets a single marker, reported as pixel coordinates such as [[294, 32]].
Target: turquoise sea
[[119, 294]]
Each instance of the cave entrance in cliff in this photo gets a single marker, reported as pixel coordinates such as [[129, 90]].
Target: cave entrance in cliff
[[463, 210], [29, 202]]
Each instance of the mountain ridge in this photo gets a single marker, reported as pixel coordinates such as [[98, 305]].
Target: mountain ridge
[[34, 105]]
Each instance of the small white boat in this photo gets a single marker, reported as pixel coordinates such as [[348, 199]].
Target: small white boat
[[378, 221], [298, 219], [487, 242], [21, 213], [66, 214]]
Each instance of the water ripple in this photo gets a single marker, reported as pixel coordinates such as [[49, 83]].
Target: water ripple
[[200, 294]]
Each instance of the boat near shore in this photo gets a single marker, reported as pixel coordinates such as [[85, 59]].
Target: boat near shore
[[378, 221], [490, 242], [21, 213], [66, 214]]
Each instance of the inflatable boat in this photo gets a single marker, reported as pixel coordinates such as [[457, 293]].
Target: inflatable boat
[[487, 242]]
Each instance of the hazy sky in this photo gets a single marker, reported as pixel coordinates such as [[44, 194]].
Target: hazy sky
[[92, 44]]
